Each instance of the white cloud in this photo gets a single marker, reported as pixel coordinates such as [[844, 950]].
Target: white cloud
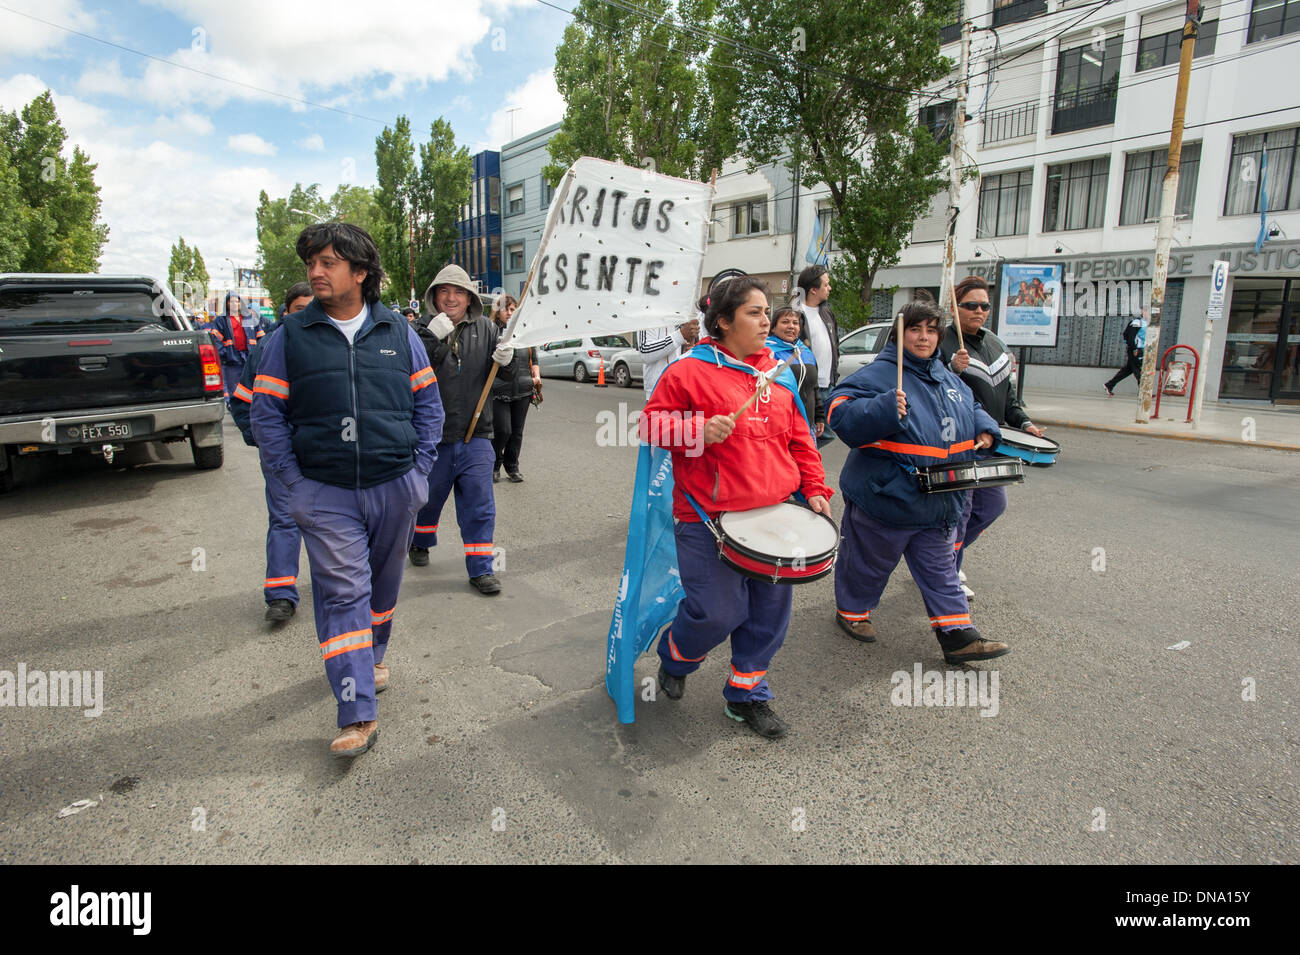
[[540, 104], [195, 123], [250, 143], [310, 53], [79, 118], [23, 35], [313, 143]]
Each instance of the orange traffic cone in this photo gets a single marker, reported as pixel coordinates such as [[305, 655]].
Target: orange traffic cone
[[600, 376]]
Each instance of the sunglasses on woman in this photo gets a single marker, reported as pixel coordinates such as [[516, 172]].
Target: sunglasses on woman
[[975, 306]]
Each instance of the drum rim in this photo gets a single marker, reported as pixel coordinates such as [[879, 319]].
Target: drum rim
[[729, 541], [1055, 446]]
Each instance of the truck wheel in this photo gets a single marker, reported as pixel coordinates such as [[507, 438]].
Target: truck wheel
[[205, 459]]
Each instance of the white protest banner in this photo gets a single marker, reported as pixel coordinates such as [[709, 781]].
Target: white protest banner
[[622, 251]]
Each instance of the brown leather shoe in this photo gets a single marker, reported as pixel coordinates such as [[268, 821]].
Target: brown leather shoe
[[381, 677], [355, 739], [857, 629], [976, 650]]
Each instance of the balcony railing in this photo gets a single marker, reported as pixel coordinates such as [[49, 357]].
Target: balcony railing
[[1017, 10], [1083, 110], [1010, 122], [950, 34]]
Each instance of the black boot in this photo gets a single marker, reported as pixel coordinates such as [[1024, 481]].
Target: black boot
[[673, 686], [758, 717]]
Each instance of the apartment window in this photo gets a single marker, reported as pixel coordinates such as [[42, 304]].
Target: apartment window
[[1246, 172], [547, 192], [1014, 11], [749, 218], [1273, 18], [952, 32], [938, 118], [1166, 48], [1144, 176], [515, 257], [1076, 195], [515, 199], [826, 217], [494, 195], [1087, 86], [494, 253], [1004, 204]]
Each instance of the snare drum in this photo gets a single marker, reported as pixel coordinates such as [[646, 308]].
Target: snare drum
[[1040, 452], [782, 544], [965, 475]]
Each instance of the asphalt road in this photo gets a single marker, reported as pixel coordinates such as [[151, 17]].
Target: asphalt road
[[499, 743]]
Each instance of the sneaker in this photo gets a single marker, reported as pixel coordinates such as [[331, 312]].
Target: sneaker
[[381, 677], [967, 591], [1110, 393], [857, 629], [673, 686], [515, 477], [759, 717], [355, 739], [961, 575], [486, 584], [278, 611], [419, 556], [978, 649]]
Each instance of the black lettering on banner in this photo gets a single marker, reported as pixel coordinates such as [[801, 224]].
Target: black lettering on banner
[[640, 213], [542, 288], [661, 221], [619, 196], [632, 263], [652, 273], [600, 205], [575, 214], [580, 275], [605, 273], [562, 279]]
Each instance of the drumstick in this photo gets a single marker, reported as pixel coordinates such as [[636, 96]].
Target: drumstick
[[956, 320], [771, 377], [900, 355]]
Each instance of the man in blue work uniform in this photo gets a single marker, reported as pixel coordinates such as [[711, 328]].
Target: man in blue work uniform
[[238, 333], [462, 345], [283, 539], [346, 420]]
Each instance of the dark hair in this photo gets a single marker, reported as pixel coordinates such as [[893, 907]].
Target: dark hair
[[971, 283], [296, 291], [501, 304], [723, 300], [776, 316], [917, 313], [923, 295], [811, 277], [352, 244]]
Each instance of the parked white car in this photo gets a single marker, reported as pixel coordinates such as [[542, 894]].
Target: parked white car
[[579, 358], [861, 346]]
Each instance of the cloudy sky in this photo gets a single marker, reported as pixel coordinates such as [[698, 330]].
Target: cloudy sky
[[191, 107]]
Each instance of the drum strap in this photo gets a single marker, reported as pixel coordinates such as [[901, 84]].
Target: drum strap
[[717, 535]]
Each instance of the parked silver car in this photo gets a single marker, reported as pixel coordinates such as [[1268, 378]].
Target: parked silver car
[[861, 346], [580, 358], [628, 366]]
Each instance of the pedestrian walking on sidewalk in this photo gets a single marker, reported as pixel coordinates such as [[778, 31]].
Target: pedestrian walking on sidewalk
[[1135, 337]]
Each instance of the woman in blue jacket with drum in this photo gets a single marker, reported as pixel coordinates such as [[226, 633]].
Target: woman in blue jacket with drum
[[933, 420]]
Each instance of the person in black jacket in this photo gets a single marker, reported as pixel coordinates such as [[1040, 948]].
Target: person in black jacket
[[984, 364], [1135, 333], [512, 394], [462, 346]]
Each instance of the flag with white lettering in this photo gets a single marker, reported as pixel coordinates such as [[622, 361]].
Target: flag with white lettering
[[622, 251]]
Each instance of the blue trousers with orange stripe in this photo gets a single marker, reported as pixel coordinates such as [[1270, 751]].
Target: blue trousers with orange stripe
[[356, 545], [984, 506], [466, 468], [721, 602], [283, 544], [870, 551]]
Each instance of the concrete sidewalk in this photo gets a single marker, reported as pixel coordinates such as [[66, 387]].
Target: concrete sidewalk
[[1221, 423]]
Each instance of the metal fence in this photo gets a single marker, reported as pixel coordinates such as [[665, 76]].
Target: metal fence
[[1010, 122]]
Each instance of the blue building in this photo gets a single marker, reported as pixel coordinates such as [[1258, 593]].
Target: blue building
[[478, 245]]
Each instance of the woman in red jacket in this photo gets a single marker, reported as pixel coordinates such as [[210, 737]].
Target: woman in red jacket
[[762, 458]]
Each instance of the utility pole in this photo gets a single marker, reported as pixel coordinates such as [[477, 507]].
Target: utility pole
[[1165, 228], [410, 219], [946, 302]]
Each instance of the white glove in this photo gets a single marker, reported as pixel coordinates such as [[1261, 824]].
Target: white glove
[[504, 353], [441, 326]]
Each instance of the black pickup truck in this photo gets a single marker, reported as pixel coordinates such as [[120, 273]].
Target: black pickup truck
[[100, 364]]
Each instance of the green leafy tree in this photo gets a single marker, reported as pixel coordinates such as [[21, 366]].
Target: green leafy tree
[[59, 200], [830, 86], [646, 83], [278, 228], [187, 275], [419, 204], [13, 234]]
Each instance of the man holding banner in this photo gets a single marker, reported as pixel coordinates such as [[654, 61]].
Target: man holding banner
[[462, 346]]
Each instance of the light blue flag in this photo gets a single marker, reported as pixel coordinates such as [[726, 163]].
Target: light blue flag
[[1263, 201], [816, 254], [651, 588]]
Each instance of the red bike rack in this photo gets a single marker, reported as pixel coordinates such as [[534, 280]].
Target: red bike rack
[[1160, 385]]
